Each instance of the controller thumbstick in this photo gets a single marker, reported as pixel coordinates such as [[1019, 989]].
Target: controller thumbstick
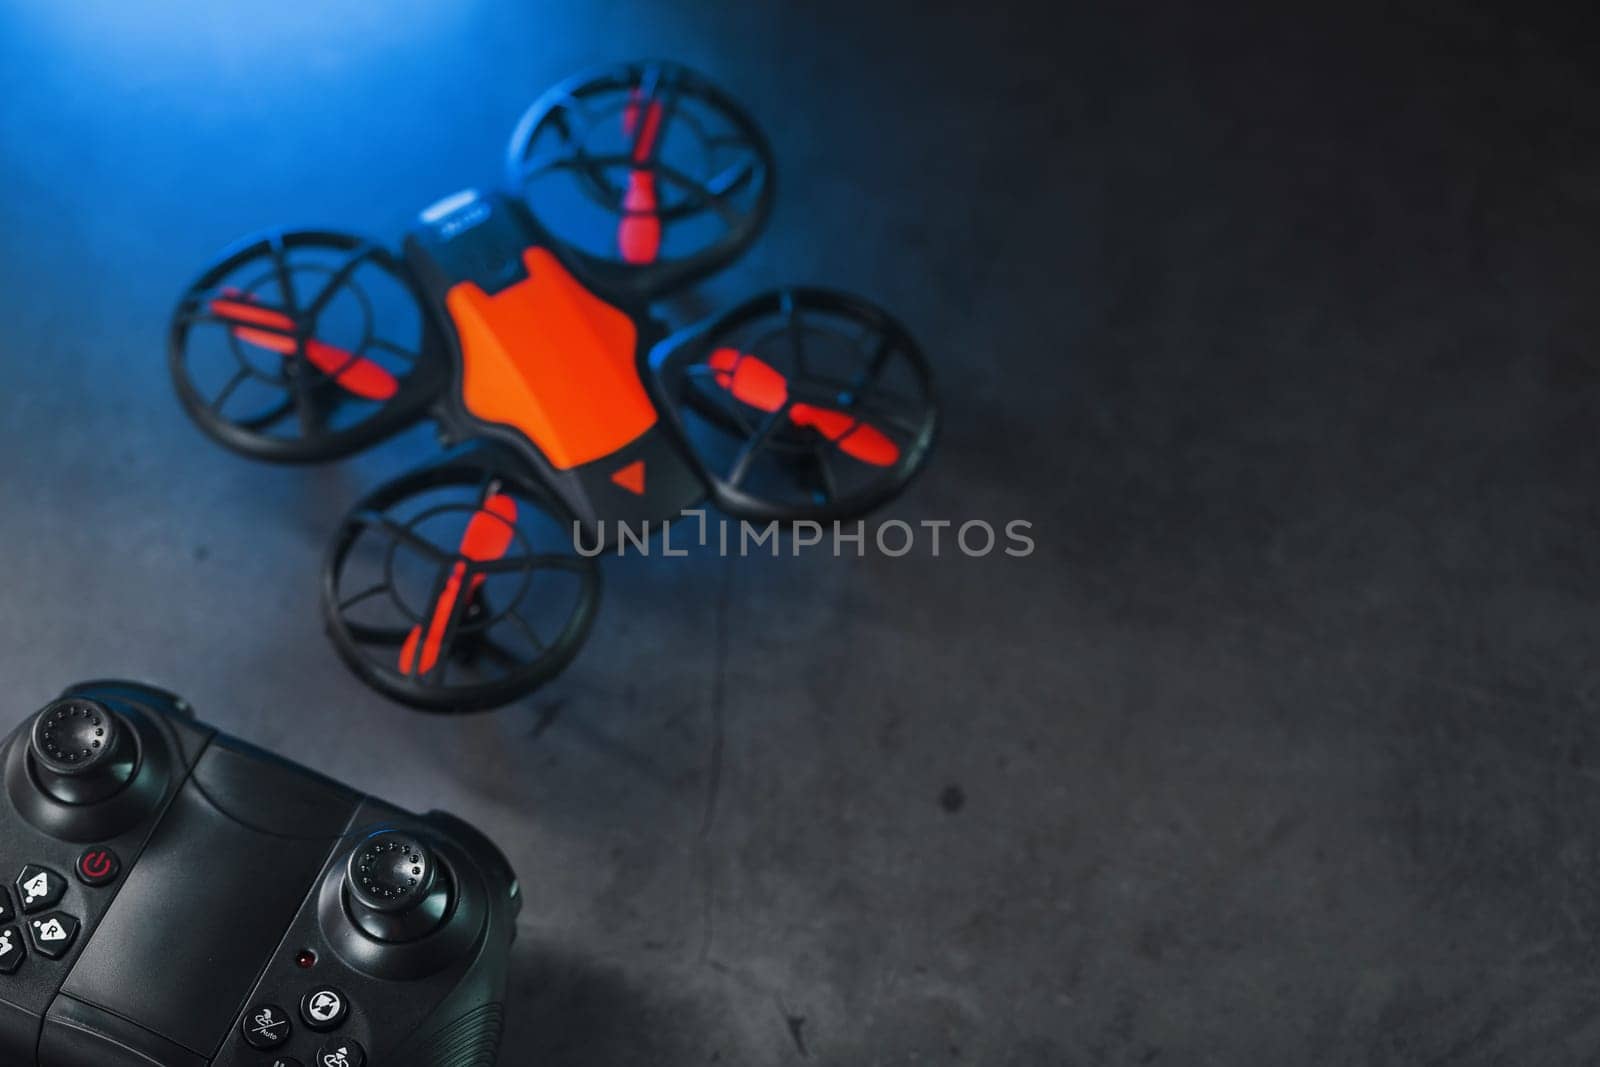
[[83, 752], [397, 889]]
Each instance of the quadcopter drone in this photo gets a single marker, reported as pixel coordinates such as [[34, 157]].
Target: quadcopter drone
[[519, 322]]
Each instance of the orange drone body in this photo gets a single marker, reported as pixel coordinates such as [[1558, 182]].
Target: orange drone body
[[551, 359]]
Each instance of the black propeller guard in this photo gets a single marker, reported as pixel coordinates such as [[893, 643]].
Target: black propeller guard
[[836, 351], [294, 284], [496, 641], [712, 166]]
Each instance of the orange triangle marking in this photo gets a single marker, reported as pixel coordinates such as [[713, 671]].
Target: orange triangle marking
[[631, 477]]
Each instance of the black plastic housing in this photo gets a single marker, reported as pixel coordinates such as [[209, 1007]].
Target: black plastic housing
[[231, 895]]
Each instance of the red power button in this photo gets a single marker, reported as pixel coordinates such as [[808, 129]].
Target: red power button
[[97, 866]]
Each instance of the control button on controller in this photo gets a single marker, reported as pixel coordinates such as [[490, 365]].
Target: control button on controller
[[53, 934], [285, 1061], [11, 951], [6, 912], [266, 1026], [324, 1008], [98, 866], [39, 888], [340, 1053]]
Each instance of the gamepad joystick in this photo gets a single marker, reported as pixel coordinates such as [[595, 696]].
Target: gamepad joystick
[[82, 751], [397, 891]]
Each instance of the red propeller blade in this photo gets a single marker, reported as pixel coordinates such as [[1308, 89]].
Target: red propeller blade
[[356, 374], [644, 137], [488, 537], [238, 307], [854, 437], [762, 386], [750, 380], [639, 232]]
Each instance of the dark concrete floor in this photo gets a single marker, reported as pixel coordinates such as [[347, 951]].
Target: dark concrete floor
[[1282, 748]]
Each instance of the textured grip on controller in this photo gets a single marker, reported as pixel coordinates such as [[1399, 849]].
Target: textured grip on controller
[[470, 1041]]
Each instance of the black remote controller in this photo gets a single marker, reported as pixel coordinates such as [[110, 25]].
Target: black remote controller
[[174, 896]]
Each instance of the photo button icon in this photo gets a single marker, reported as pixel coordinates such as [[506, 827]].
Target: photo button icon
[[324, 1008]]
